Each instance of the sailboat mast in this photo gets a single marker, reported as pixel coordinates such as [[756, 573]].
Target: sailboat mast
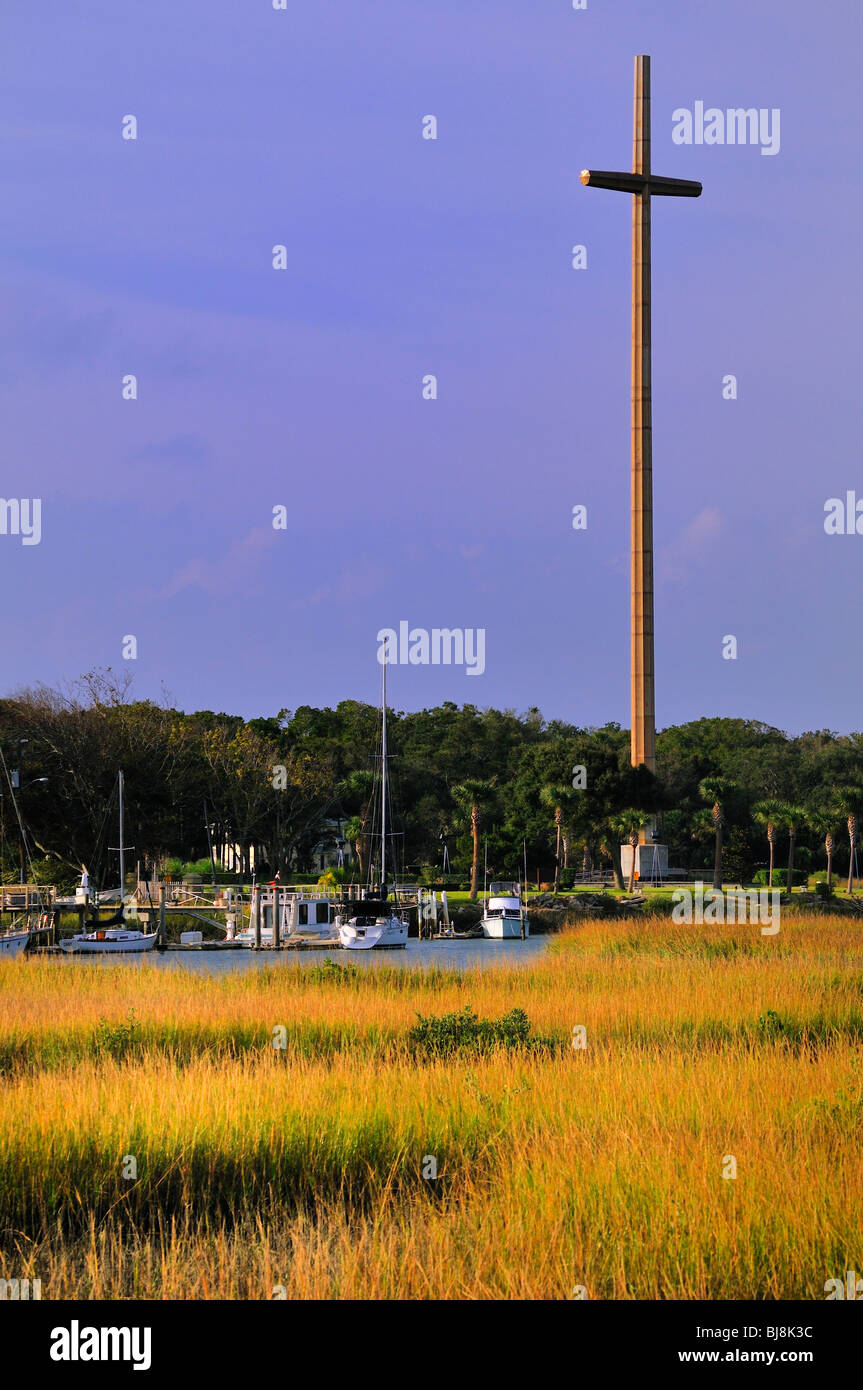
[[384, 777], [122, 860]]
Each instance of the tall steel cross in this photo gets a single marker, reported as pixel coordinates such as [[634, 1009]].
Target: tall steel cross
[[642, 184]]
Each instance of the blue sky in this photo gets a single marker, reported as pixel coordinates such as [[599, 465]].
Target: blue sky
[[405, 257]]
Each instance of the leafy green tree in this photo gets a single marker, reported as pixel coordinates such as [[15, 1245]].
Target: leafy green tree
[[737, 858]]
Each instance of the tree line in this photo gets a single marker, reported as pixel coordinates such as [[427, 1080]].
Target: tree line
[[479, 786]]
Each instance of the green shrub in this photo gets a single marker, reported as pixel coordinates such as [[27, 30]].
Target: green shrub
[[445, 1034], [200, 867], [332, 972], [115, 1039], [780, 876]]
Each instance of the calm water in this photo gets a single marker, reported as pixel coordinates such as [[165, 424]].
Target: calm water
[[447, 955]]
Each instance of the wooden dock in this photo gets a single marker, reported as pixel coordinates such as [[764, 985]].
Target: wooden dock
[[263, 911]]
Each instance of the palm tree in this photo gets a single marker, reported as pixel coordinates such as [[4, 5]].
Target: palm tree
[[771, 813], [848, 801], [793, 816], [354, 832], [823, 821], [625, 826], [586, 859], [556, 796], [358, 786], [471, 797], [717, 790]]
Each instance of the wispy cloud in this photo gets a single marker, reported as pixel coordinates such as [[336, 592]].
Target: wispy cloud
[[224, 572], [350, 587], [692, 546], [188, 449]]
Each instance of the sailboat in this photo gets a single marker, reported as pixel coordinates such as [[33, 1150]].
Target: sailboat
[[112, 937], [13, 943], [372, 922]]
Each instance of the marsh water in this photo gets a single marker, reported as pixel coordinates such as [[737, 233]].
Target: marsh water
[[475, 952]]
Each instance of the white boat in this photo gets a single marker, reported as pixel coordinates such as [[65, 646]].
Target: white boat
[[503, 913], [309, 919], [373, 922], [113, 937], [13, 943], [108, 941]]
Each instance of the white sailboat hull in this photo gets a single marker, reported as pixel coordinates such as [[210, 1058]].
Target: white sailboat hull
[[14, 944], [122, 943], [390, 934]]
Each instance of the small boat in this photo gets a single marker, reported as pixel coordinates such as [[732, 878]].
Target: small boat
[[111, 937], [13, 943], [372, 921], [302, 919], [504, 918], [108, 941]]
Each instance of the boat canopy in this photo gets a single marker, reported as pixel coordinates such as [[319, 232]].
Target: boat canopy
[[366, 907], [118, 920]]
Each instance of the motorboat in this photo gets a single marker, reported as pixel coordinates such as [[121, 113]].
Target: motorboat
[[301, 919], [504, 916]]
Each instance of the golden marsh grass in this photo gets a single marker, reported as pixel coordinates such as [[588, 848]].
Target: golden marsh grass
[[302, 1168]]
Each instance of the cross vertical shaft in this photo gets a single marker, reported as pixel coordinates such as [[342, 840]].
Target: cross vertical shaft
[[643, 184], [643, 723]]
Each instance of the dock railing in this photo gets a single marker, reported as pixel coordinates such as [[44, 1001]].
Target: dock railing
[[21, 896], [227, 896]]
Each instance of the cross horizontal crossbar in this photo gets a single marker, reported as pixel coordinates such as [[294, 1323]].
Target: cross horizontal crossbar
[[654, 185]]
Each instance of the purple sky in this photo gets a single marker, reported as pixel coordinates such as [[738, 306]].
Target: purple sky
[[407, 257]]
